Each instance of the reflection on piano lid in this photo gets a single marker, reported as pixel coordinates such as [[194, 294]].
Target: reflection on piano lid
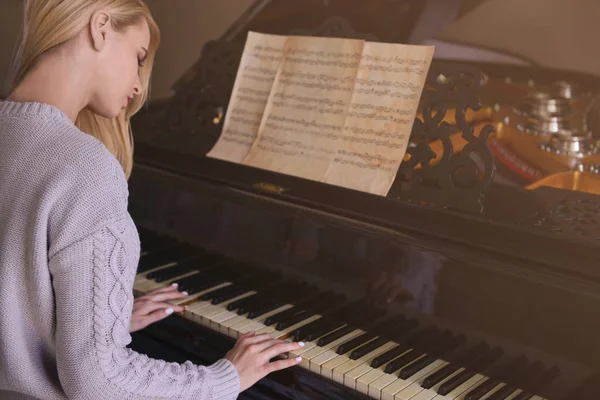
[[461, 283]]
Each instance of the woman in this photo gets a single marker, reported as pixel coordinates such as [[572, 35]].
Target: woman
[[68, 247]]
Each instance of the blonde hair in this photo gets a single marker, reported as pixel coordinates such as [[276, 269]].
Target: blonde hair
[[49, 23]]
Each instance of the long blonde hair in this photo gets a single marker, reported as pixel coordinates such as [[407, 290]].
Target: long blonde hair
[[49, 23]]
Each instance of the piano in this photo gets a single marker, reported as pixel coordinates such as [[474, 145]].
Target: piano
[[464, 282]]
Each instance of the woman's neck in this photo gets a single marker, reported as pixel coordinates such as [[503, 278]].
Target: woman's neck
[[56, 80]]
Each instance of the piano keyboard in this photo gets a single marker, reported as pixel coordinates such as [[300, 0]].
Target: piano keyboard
[[389, 358]]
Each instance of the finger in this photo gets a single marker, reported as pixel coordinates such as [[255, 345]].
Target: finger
[[281, 348], [168, 296], [170, 288], [167, 289], [261, 346], [150, 307], [282, 364], [250, 340], [158, 315]]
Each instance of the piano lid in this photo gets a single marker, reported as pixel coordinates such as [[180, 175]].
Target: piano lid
[[476, 152], [378, 20]]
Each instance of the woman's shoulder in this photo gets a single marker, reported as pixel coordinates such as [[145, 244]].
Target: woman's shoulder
[[52, 144]]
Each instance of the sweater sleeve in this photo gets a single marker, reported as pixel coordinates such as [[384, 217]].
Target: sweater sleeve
[[93, 279]]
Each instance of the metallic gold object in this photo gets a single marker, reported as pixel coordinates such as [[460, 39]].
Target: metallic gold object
[[573, 180]]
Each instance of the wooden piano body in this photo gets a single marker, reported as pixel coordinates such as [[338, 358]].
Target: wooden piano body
[[459, 271]]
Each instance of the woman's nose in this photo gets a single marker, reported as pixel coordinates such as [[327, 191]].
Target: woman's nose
[[137, 86]]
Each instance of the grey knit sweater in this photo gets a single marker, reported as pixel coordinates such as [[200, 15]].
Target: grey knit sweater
[[68, 257]]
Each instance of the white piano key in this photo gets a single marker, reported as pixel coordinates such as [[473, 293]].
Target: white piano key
[[364, 382], [389, 392], [416, 392], [194, 297], [351, 370], [282, 334], [315, 351], [257, 324]]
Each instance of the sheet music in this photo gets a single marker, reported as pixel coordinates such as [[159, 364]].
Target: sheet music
[[333, 110], [304, 118], [254, 79], [380, 117]]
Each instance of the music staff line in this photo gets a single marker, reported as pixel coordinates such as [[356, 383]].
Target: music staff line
[[328, 102], [337, 54], [338, 160], [411, 95], [346, 138]]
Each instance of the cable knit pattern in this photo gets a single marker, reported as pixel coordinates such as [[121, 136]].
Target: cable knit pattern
[[68, 257]]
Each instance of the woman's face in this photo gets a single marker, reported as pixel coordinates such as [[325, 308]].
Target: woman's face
[[117, 78]]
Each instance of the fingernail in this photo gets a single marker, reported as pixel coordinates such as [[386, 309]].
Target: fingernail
[[174, 284], [298, 358], [169, 311], [185, 293], [301, 344]]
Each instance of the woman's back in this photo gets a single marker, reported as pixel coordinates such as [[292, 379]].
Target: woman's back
[[48, 170], [68, 247]]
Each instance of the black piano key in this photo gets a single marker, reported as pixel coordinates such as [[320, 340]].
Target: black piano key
[[254, 302], [290, 312], [433, 334], [218, 298], [368, 347], [355, 342], [205, 284], [454, 366], [287, 291], [168, 255], [511, 367], [184, 266], [515, 383], [281, 299], [357, 315], [301, 333], [294, 320], [405, 344], [523, 396], [474, 368], [331, 327], [398, 363], [245, 281], [503, 393], [227, 271], [389, 355], [542, 380], [265, 309], [307, 304], [171, 273], [312, 303], [447, 345], [333, 336], [191, 281]]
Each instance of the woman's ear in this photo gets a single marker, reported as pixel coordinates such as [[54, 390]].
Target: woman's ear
[[99, 29]]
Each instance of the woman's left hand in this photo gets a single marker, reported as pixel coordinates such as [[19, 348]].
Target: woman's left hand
[[154, 306]]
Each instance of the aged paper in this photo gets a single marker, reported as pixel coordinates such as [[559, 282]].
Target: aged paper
[[333, 110], [304, 118], [254, 79], [380, 117]]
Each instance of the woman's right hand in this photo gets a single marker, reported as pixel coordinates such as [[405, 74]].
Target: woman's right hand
[[251, 357]]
